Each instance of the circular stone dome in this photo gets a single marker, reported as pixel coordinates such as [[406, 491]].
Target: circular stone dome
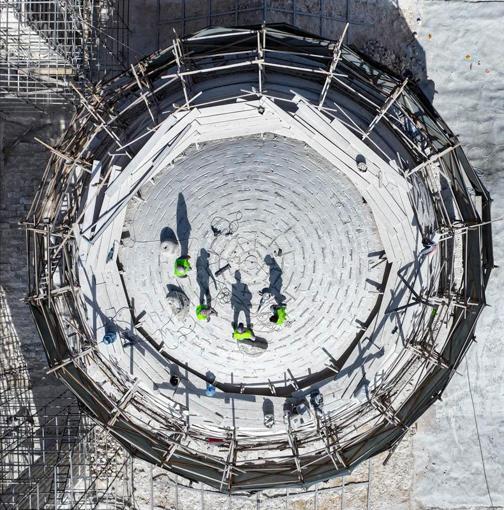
[[258, 257], [273, 194]]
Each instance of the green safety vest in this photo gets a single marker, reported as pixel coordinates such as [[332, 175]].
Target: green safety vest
[[247, 334], [182, 262], [199, 315], [281, 314]]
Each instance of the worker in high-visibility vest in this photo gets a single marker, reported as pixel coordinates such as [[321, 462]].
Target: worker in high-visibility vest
[[279, 314], [182, 266], [243, 333], [203, 312]]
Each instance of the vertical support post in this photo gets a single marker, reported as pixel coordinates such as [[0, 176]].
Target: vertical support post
[[272, 387], [49, 266], [295, 453], [142, 92], [260, 57], [332, 67], [55, 482], [293, 379], [347, 16], [177, 52], [72, 482], [384, 109]]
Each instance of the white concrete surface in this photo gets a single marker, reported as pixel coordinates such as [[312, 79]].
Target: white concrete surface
[[292, 200], [274, 195]]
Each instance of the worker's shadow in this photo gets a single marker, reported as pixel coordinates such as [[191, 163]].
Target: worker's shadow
[[241, 300], [183, 226], [274, 288], [203, 276]]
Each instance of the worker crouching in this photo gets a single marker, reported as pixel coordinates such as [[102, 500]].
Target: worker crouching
[[182, 266], [279, 314]]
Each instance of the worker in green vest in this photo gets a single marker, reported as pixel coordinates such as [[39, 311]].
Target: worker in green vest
[[182, 266], [242, 333], [279, 314], [203, 312]]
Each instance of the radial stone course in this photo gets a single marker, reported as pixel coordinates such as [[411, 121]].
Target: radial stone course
[[286, 171]]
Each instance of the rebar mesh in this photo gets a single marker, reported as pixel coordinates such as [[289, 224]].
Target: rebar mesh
[[45, 45], [53, 456]]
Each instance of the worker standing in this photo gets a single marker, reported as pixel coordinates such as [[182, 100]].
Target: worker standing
[[204, 312], [242, 333], [182, 266]]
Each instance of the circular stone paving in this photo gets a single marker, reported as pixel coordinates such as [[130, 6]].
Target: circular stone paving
[[265, 221]]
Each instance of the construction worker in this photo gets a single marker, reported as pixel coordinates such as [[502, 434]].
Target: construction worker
[[317, 401], [279, 314], [210, 390], [110, 337], [182, 266], [203, 312], [242, 333], [430, 245]]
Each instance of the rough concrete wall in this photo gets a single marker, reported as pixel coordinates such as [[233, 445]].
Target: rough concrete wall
[[459, 446], [22, 162]]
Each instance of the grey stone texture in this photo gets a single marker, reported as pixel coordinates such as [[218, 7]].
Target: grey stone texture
[[22, 162]]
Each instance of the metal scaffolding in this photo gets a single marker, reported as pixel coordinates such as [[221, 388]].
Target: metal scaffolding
[[280, 70], [53, 456], [45, 45]]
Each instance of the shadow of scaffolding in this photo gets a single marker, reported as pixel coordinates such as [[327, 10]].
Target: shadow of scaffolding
[[397, 48]]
